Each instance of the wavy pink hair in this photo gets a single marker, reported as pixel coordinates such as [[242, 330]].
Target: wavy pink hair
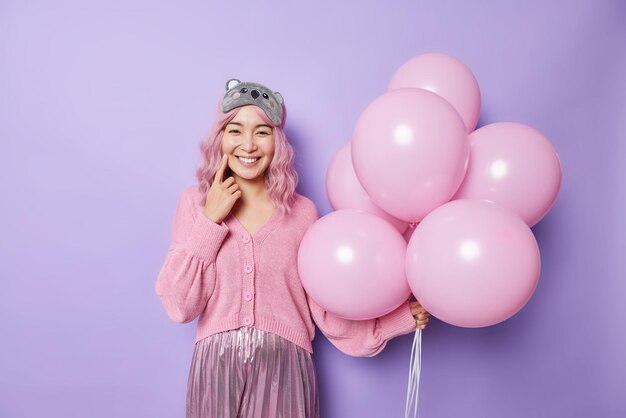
[[281, 178]]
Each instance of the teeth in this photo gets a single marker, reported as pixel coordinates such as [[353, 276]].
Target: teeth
[[248, 160]]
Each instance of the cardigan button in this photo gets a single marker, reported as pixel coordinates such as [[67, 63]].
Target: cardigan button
[[248, 269], [247, 320], [245, 238], [247, 296]]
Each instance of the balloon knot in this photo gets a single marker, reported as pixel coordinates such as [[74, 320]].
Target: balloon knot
[[412, 225]]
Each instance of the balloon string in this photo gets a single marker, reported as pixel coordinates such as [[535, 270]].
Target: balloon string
[[415, 366]]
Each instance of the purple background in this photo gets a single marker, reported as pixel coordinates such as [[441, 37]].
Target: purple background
[[102, 107]]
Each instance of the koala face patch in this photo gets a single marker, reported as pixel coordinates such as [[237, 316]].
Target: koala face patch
[[240, 93]]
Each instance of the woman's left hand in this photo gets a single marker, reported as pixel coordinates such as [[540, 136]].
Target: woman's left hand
[[419, 313]]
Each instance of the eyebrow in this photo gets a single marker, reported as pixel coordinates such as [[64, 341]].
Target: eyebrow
[[262, 125]]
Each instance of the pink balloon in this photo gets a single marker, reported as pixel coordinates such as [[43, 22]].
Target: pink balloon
[[410, 152], [352, 264], [513, 165], [345, 192], [473, 263], [409, 233], [446, 76]]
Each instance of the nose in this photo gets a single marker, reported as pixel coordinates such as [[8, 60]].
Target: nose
[[255, 94], [247, 143]]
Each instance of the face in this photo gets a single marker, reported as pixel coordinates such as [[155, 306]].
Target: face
[[249, 143]]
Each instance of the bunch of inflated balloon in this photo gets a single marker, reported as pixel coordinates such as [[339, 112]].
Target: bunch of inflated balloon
[[469, 196]]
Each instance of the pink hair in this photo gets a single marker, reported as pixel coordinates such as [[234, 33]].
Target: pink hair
[[281, 178]]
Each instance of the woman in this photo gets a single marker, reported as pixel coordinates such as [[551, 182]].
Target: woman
[[232, 262]]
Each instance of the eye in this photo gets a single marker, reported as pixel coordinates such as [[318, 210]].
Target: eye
[[243, 90], [233, 131], [265, 96], [263, 133]]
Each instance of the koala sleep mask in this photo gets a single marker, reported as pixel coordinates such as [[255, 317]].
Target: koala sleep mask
[[241, 93]]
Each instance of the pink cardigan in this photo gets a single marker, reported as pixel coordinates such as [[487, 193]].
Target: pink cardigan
[[232, 279]]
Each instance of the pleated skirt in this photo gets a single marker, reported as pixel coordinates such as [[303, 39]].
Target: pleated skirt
[[249, 373]]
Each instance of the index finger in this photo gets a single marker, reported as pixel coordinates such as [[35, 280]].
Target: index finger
[[219, 174]]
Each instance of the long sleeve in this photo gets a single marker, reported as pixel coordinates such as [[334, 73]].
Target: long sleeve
[[187, 278], [363, 338]]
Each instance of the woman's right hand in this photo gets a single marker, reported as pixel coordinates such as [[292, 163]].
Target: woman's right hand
[[222, 194]]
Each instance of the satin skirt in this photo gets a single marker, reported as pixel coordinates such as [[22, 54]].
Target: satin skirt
[[249, 373]]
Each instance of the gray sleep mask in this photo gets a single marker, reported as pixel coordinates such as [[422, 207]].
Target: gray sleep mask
[[241, 93]]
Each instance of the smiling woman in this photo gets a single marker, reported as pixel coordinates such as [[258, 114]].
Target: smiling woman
[[233, 263]]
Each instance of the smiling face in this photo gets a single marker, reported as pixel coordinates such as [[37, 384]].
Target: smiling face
[[249, 143]]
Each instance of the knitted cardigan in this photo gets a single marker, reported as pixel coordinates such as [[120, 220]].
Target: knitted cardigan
[[231, 278]]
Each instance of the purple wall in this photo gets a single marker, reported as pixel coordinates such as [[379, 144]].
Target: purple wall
[[101, 111]]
